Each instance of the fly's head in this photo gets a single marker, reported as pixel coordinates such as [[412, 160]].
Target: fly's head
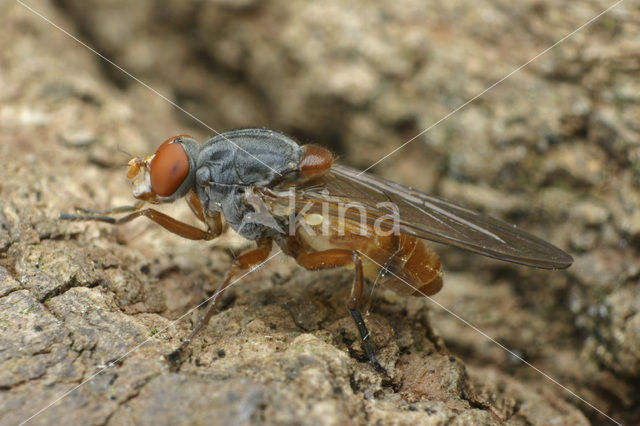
[[166, 175]]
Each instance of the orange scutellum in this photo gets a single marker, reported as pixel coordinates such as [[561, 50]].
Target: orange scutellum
[[169, 167], [315, 162]]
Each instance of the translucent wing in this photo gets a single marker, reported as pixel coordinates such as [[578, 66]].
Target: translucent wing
[[429, 217]]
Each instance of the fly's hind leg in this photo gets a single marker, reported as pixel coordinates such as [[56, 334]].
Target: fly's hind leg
[[354, 304], [243, 262], [337, 257]]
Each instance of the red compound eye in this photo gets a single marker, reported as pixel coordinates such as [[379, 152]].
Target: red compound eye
[[169, 168]]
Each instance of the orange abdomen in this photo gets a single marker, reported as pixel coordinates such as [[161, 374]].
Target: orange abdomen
[[410, 266], [402, 263]]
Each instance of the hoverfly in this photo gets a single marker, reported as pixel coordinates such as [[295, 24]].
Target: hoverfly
[[270, 189]]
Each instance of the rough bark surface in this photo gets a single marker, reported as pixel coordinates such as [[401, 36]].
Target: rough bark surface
[[88, 310]]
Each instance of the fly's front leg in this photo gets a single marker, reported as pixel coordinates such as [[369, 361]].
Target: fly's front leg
[[337, 257], [243, 262], [213, 222], [114, 210], [167, 222]]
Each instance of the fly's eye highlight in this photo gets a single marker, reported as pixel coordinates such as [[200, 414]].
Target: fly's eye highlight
[[169, 167]]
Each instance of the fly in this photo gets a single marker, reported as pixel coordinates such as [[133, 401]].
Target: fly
[[322, 214]]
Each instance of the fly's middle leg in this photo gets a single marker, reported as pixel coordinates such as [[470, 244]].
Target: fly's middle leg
[[243, 262]]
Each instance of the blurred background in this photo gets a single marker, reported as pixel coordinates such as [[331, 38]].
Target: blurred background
[[554, 148]]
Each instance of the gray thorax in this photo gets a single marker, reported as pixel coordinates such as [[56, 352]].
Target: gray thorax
[[232, 164]]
